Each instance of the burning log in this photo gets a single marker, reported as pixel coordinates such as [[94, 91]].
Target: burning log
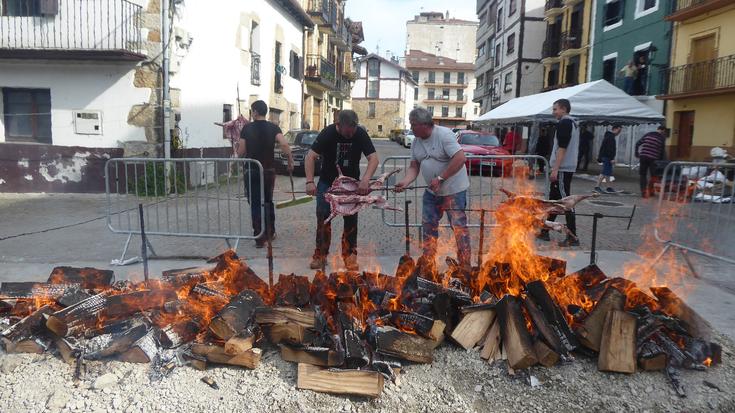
[[240, 343], [237, 315], [292, 290], [491, 343], [210, 290], [473, 328], [178, 333], [238, 276], [280, 315], [546, 356], [72, 296], [290, 333], [29, 326], [35, 345], [543, 327], [355, 382], [516, 339], [185, 276], [114, 343], [590, 332], [421, 324], [651, 357], [89, 278], [144, 350], [318, 356], [216, 354], [390, 341], [552, 314], [33, 290], [356, 354], [618, 344], [674, 306]]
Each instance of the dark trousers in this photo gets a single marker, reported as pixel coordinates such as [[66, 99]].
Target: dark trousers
[[585, 151], [252, 181], [558, 190], [324, 229], [646, 168]]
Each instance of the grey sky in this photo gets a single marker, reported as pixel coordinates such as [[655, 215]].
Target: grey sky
[[384, 21]]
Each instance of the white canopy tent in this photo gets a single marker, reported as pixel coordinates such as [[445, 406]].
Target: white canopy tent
[[597, 102]]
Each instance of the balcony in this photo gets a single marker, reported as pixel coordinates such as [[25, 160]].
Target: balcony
[[553, 8], [324, 14], [686, 9], [551, 48], [342, 38], [320, 72], [343, 89], [441, 85], [254, 69], [711, 77], [571, 40], [445, 99], [103, 30]]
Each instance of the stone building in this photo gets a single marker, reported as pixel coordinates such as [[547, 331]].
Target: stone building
[[383, 95], [437, 34]]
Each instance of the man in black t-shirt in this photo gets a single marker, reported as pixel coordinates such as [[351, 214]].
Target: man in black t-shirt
[[341, 144], [257, 141]]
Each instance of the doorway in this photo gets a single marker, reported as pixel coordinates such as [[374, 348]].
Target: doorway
[[685, 127], [702, 75]]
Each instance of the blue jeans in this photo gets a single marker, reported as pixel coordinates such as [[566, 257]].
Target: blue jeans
[[434, 207], [324, 229], [252, 184]]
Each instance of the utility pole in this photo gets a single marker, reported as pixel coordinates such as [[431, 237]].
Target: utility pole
[[166, 101]]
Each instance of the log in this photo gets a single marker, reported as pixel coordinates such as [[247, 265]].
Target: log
[[185, 276], [66, 349], [318, 356], [72, 296], [196, 361], [674, 306], [28, 327], [491, 343], [33, 290], [390, 341], [209, 290], [436, 335], [279, 315], [421, 324], [240, 343], [542, 326], [292, 290], [545, 355], [35, 345], [236, 316], [355, 382], [290, 333], [552, 313], [216, 354], [178, 333], [516, 339], [590, 332], [89, 278], [618, 345], [115, 343], [144, 350], [473, 328]]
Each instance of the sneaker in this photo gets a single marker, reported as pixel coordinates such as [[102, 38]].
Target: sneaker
[[317, 263], [610, 190], [351, 262], [598, 190], [543, 236], [569, 242]]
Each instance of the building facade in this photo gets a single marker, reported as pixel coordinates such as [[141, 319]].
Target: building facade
[[515, 54], [633, 30], [700, 88], [437, 34], [566, 50], [444, 87], [485, 46], [383, 95]]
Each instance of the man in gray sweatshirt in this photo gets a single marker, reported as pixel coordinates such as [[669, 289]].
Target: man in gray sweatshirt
[[563, 164]]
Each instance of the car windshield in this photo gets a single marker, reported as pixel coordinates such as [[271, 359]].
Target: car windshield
[[478, 139], [306, 138]]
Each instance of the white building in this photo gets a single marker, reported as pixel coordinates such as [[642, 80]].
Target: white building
[[383, 95], [519, 32], [433, 33]]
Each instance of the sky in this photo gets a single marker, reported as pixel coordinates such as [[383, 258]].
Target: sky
[[384, 21]]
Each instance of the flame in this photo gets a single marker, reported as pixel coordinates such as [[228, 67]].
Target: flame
[[707, 362]]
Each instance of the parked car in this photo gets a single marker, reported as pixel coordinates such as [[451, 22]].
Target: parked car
[[408, 139], [483, 143], [300, 141]]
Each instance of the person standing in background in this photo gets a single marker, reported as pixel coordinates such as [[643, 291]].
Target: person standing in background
[[586, 140], [649, 149], [608, 150]]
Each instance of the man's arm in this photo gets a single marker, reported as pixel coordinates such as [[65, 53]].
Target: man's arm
[[563, 137], [364, 186], [309, 163], [455, 164], [285, 148], [240, 147], [411, 173]]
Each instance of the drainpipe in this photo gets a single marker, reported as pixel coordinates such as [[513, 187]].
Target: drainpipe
[[166, 103]]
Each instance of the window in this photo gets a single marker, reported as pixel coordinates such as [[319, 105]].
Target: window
[[255, 37], [278, 83], [447, 77], [608, 69], [445, 94], [511, 7], [371, 110], [511, 43], [28, 8], [445, 111], [497, 54], [431, 93], [460, 94], [614, 13], [481, 51], [373, 68], [460, 78], [644, 7], [432, 77], [415, 93], [552, 77], [294, 65], [458, 112], [226, 113], [373, 87], [27, 114], [496, 89], [430, 109], [499, 21], [508, 83], [380, 128], [415, 75], [572, 71], [480, 80], [274, 115]]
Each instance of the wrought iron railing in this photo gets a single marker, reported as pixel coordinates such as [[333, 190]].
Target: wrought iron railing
[[319, 7], [255, 69], [710, 75], [679, 5], [96, 25], [551, 47], [571, 39], [319, 68]]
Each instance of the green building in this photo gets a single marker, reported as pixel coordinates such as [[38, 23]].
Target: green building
[[626, 30]]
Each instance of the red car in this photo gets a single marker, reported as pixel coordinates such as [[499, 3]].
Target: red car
[[484, 143]]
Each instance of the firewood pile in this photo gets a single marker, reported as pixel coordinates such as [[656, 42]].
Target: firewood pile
[[349, 332]]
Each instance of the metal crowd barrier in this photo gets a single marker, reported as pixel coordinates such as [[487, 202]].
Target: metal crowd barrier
[[696, 210], [183, 197], [487, 173]]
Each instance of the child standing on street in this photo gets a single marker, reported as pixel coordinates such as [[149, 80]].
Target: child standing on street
[[608, 150]]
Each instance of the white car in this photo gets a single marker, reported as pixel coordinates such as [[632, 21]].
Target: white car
[[408, 140]]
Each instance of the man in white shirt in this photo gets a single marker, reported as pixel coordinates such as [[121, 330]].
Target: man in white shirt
[[437, 155]]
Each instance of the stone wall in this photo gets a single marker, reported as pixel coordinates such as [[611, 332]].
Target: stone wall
[[386, 113]]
